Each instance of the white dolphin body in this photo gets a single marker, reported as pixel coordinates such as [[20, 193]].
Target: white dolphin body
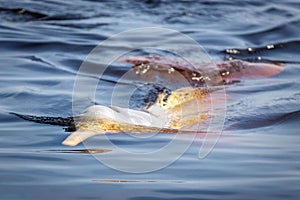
[[180, 112], [117, 115]]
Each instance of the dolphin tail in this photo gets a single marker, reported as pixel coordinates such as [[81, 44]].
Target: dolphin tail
[[59, 121]]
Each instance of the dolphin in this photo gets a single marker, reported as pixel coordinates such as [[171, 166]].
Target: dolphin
[[180, 110], [227, 72], [167, 115]]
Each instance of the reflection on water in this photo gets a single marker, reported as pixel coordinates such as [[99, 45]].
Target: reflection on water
[[88, 151], [43, 44], [137, 181]]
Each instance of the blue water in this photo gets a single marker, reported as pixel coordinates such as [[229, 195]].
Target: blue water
[[43, 44]]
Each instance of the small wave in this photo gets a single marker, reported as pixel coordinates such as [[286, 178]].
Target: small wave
[[19, 15], [262, 53], [281, 30], [263, 120]]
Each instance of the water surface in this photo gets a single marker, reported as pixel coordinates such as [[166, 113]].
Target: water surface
[[43, 44]]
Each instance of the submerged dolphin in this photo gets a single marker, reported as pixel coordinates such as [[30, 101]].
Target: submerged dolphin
[[227, 71]]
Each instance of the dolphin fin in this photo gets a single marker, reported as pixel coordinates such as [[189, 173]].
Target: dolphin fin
[[77, 137]]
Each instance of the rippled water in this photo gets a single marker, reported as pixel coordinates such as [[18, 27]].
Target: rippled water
[[43, 44]]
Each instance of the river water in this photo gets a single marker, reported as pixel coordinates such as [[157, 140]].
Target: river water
[[43, 44]]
